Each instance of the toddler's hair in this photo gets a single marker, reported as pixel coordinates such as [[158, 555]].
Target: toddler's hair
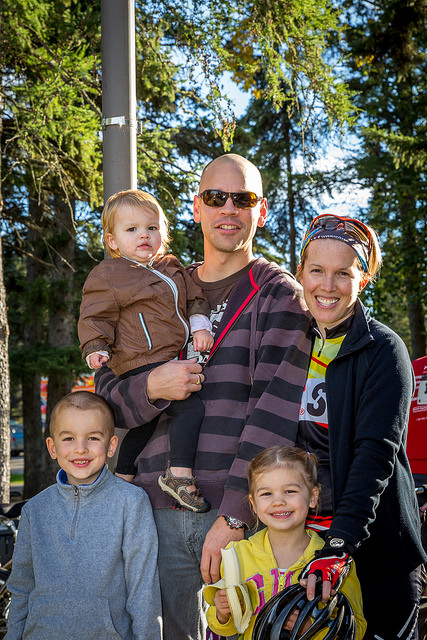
[[86, 401], [139, 200], [281, 456]]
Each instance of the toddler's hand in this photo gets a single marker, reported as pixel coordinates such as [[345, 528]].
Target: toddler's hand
[[222, 607], [96, 360], [202, 340]]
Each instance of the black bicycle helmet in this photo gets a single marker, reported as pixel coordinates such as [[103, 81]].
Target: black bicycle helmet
[[336, 616]]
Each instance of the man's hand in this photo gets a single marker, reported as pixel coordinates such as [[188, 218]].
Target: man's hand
[[330, 566], [222, 607], [174, 380], [217, 538], [202, 340]]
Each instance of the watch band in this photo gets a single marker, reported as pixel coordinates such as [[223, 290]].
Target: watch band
[[234, 523]]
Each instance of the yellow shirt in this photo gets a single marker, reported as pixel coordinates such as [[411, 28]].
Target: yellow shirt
[[260, 572]]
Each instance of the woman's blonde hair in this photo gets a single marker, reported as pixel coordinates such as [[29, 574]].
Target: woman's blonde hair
[[139, 200]]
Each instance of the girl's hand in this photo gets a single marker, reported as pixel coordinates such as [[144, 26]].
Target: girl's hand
[[202, 340], [222, 607], [289, 625]]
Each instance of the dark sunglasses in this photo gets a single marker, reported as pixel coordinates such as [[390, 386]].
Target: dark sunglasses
[[240, 199], [353, 227]]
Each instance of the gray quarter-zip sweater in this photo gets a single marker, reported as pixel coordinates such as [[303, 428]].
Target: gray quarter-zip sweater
[[85, 564]]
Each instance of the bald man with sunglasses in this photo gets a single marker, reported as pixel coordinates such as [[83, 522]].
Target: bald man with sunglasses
[[251, 385]]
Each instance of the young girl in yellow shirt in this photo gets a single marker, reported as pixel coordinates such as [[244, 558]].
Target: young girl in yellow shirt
[[282, 489]]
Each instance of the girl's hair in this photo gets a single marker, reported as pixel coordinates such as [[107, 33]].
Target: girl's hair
[[287, 457], [139, 200]]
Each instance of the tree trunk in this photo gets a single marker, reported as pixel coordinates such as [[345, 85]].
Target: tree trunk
[[4, 367], [34, 445], [412, 251], [34, 441], [416, 324], [4, 393], [291, 200], [61, 313]]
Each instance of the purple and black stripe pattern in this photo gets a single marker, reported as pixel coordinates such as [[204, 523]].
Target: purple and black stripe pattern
[[252, 392]]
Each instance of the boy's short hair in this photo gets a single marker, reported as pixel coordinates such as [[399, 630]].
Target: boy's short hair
[[86, 401], [139, 200]]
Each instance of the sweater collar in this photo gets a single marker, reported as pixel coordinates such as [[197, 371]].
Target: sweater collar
[[84, 490], [336, 332]]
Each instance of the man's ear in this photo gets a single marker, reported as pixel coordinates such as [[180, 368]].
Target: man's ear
[[196, 209], [51, 447]]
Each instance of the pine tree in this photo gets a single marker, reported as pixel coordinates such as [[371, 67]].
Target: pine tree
[[387, 44]]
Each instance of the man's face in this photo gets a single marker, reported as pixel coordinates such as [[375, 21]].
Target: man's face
[[228, 229]]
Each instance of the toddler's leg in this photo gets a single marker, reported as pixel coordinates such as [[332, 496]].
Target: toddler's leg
[[130, 448], [178, 480]]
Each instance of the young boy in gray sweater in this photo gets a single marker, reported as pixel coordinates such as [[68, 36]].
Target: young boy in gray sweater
[[85, 562]]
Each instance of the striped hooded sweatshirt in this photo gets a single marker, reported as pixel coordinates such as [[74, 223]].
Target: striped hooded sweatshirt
[[254, 379]]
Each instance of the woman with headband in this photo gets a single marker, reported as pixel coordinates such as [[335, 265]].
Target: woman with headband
[[354, 415]]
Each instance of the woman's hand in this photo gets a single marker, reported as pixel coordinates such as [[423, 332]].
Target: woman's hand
[[331, 565]]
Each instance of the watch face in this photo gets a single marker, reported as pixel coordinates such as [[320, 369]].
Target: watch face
[[336, 542], [234, 522]]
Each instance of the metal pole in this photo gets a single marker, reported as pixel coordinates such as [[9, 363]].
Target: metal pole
[[118, 105], [118, 95]]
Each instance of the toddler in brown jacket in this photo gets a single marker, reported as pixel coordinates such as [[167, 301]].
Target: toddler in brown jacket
[[138, 307]]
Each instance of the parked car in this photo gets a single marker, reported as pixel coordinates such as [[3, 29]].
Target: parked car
[[16, 438]]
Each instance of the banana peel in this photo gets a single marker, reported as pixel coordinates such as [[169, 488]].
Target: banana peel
[[237, 592]]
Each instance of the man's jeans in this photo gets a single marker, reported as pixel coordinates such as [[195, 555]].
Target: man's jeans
[[181, 537]]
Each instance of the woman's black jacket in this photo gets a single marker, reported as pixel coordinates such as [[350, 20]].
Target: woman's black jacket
[[369, 386]]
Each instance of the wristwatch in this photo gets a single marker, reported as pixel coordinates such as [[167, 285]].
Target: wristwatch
[[234, 523], [336, 543]]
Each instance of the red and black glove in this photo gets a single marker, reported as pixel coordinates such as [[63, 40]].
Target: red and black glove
[[332, 562]]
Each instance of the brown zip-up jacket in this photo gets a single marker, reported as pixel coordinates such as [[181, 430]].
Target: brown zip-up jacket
[[135, 313]]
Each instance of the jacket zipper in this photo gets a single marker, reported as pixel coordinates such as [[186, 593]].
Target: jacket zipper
[[76, 512], [174, 289], [145, 330]]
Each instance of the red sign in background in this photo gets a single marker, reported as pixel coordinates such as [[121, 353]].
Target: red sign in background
[[417, 428]]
